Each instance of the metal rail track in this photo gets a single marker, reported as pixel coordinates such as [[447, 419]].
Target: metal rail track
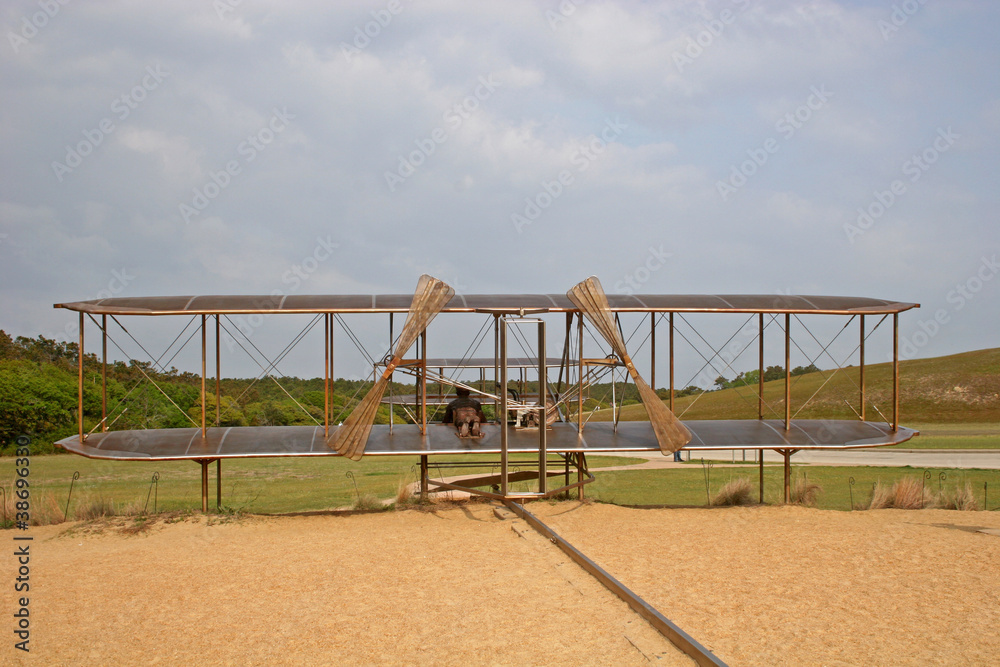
[[663, 625]]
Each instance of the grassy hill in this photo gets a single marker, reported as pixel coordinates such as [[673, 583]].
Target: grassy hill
[[960, 388]]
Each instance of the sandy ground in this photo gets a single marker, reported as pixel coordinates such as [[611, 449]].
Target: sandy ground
[[797, 586], [759, 586], [454, 587]]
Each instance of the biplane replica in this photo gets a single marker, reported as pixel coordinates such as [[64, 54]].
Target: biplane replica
[[546, 427]]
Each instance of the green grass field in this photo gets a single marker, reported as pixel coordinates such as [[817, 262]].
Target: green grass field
[[688, 486], [286, 484], [957, 389], [295, 485]]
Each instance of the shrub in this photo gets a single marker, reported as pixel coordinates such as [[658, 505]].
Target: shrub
[[804, 492], [738, 491], [959, 499]]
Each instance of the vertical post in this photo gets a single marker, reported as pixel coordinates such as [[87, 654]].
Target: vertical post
[[788, 373], [204, 429], [760, 453], [218, 378], [787, 453], [861, 367], [652, 350], [326, 375], [423, 382], [204, 484], [895, 372], [79, 406], [104, 373], [332, 364], [543, 412], [760, 377], [579, 396], [502, 413], [218, 483], [424, 486], [496, 364], [671, 346], [580, 464], [391, 346]]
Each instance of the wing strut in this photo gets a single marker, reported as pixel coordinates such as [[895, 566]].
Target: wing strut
[[589, 297], [350, 438]]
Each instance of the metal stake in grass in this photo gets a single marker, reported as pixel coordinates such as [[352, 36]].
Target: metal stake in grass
[[941, 477], [850, 487], [706, 467], [152, 482], [350, 475], [76, 476], [927, 476], [3, 494]]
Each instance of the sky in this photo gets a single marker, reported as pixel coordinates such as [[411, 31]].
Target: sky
[[227, 147]]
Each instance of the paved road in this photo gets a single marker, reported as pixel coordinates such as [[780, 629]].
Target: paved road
[[878, 456]]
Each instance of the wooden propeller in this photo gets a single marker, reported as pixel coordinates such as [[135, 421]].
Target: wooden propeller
[[590, 298], [351, 437]]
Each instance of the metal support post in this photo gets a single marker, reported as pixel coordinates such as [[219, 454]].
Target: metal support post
[[652, 350], [79, 406], [423, 477], [204, 429], [760, 372], [788, 373], [204, 484], [218, 483], [104, 373], [326, 375], [543, 412], [861, 367], [218, 375], [671, 346], [502, 350], [895, 372]]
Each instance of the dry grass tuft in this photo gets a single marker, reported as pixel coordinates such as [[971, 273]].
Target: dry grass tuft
[[45, 510], [907, 493], [961, 498], [368, 501], [404, 493], [804, 492], [737, 491]]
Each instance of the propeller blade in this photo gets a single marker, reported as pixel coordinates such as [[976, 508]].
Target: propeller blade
[[590, 298], [430, 297]]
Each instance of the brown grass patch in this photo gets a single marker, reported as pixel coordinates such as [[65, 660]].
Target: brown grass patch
[[961, 498], [804, 492], [737, 491]]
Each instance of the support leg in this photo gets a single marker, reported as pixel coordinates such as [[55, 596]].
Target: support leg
[[218, 483], [760, 454], [204, 485], [787, 453], [423, 477]]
